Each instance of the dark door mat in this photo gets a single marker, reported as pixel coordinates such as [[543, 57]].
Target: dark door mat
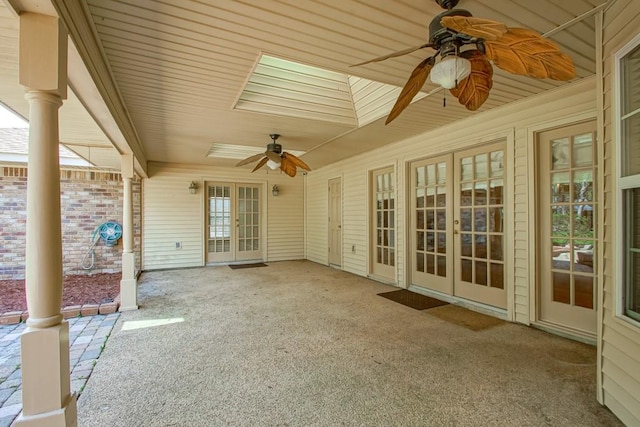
[[412, 299], [465, 318], [239, 266]]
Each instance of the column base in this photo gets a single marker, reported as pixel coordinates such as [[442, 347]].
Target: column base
[[128, 295], [66, 416], [46, 397], [128, 284]]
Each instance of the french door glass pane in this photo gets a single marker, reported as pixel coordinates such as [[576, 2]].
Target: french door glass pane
[[420, 262], [466, 169], [562, 288], [497, 276], [497, 164], [495, 197], [481, 166], [582, 151], [584, 291], [560, 153]]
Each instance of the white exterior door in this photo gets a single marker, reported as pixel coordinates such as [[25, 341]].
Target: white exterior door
[[432, 224], [335, 222], [479, 225], [457, 224], [382, 221], [567, 243], [234, 231]]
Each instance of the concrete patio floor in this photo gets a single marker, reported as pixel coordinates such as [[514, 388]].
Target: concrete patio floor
[[300, 344]]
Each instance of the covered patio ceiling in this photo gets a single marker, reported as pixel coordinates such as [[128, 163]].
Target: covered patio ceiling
[[178, 77]]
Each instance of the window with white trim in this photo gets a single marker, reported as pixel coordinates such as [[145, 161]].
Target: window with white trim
[[629, 176]]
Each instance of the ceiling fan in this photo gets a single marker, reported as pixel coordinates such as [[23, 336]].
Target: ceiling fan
[[466, 45], [275, 158]]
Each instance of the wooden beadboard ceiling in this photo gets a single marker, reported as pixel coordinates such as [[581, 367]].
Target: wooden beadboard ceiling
[[181, 66]]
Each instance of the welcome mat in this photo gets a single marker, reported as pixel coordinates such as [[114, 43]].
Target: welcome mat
[[466, 318], [413, 299], [239, 266]]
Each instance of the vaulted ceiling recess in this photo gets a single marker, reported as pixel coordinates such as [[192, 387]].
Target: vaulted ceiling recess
[[286, 88]]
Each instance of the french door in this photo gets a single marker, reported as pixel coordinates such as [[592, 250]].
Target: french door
[[479, 225], [383, 224], [234, 231], [432, 242], [567, 219], [457, 216]]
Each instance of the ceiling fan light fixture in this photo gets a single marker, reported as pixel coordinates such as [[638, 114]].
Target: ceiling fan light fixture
[[273, 165], [450, 71]]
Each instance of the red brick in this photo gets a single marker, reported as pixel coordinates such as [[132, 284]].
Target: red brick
[[108, 308], [25, 316], [89, 309], [79, 219], [71, 311], [10, 318]]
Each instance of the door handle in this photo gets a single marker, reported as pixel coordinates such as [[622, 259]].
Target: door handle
[[455, 231], [340, 227]]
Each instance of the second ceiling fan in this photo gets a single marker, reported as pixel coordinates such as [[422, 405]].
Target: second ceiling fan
[[467, 45], [276, 158]]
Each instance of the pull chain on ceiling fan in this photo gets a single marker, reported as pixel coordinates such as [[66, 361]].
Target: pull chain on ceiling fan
[[275, 158], [467, 45]]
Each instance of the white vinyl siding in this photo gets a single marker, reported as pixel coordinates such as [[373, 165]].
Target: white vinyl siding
[[620, 342], [575, 102], [172, 214]]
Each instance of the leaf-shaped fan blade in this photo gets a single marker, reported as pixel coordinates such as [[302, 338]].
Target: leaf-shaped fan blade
[[475, 27], [394, 54], [261, 164], [523, 51], [473, 91], [411, 87], [250, 159], [288, 167], [296, 161], [273, 156]]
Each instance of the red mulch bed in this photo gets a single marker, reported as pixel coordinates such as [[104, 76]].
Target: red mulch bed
[[78, 290]]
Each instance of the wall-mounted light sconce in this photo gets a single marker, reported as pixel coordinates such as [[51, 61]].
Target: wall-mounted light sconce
[[193, 187], [275, 190]]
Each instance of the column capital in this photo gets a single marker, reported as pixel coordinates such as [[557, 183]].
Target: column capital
[[126, 165], [34, 95]]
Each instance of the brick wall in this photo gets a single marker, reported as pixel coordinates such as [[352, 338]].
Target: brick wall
[[87, 200]]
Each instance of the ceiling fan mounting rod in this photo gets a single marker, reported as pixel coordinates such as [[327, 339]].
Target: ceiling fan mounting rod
[[447, 4]]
